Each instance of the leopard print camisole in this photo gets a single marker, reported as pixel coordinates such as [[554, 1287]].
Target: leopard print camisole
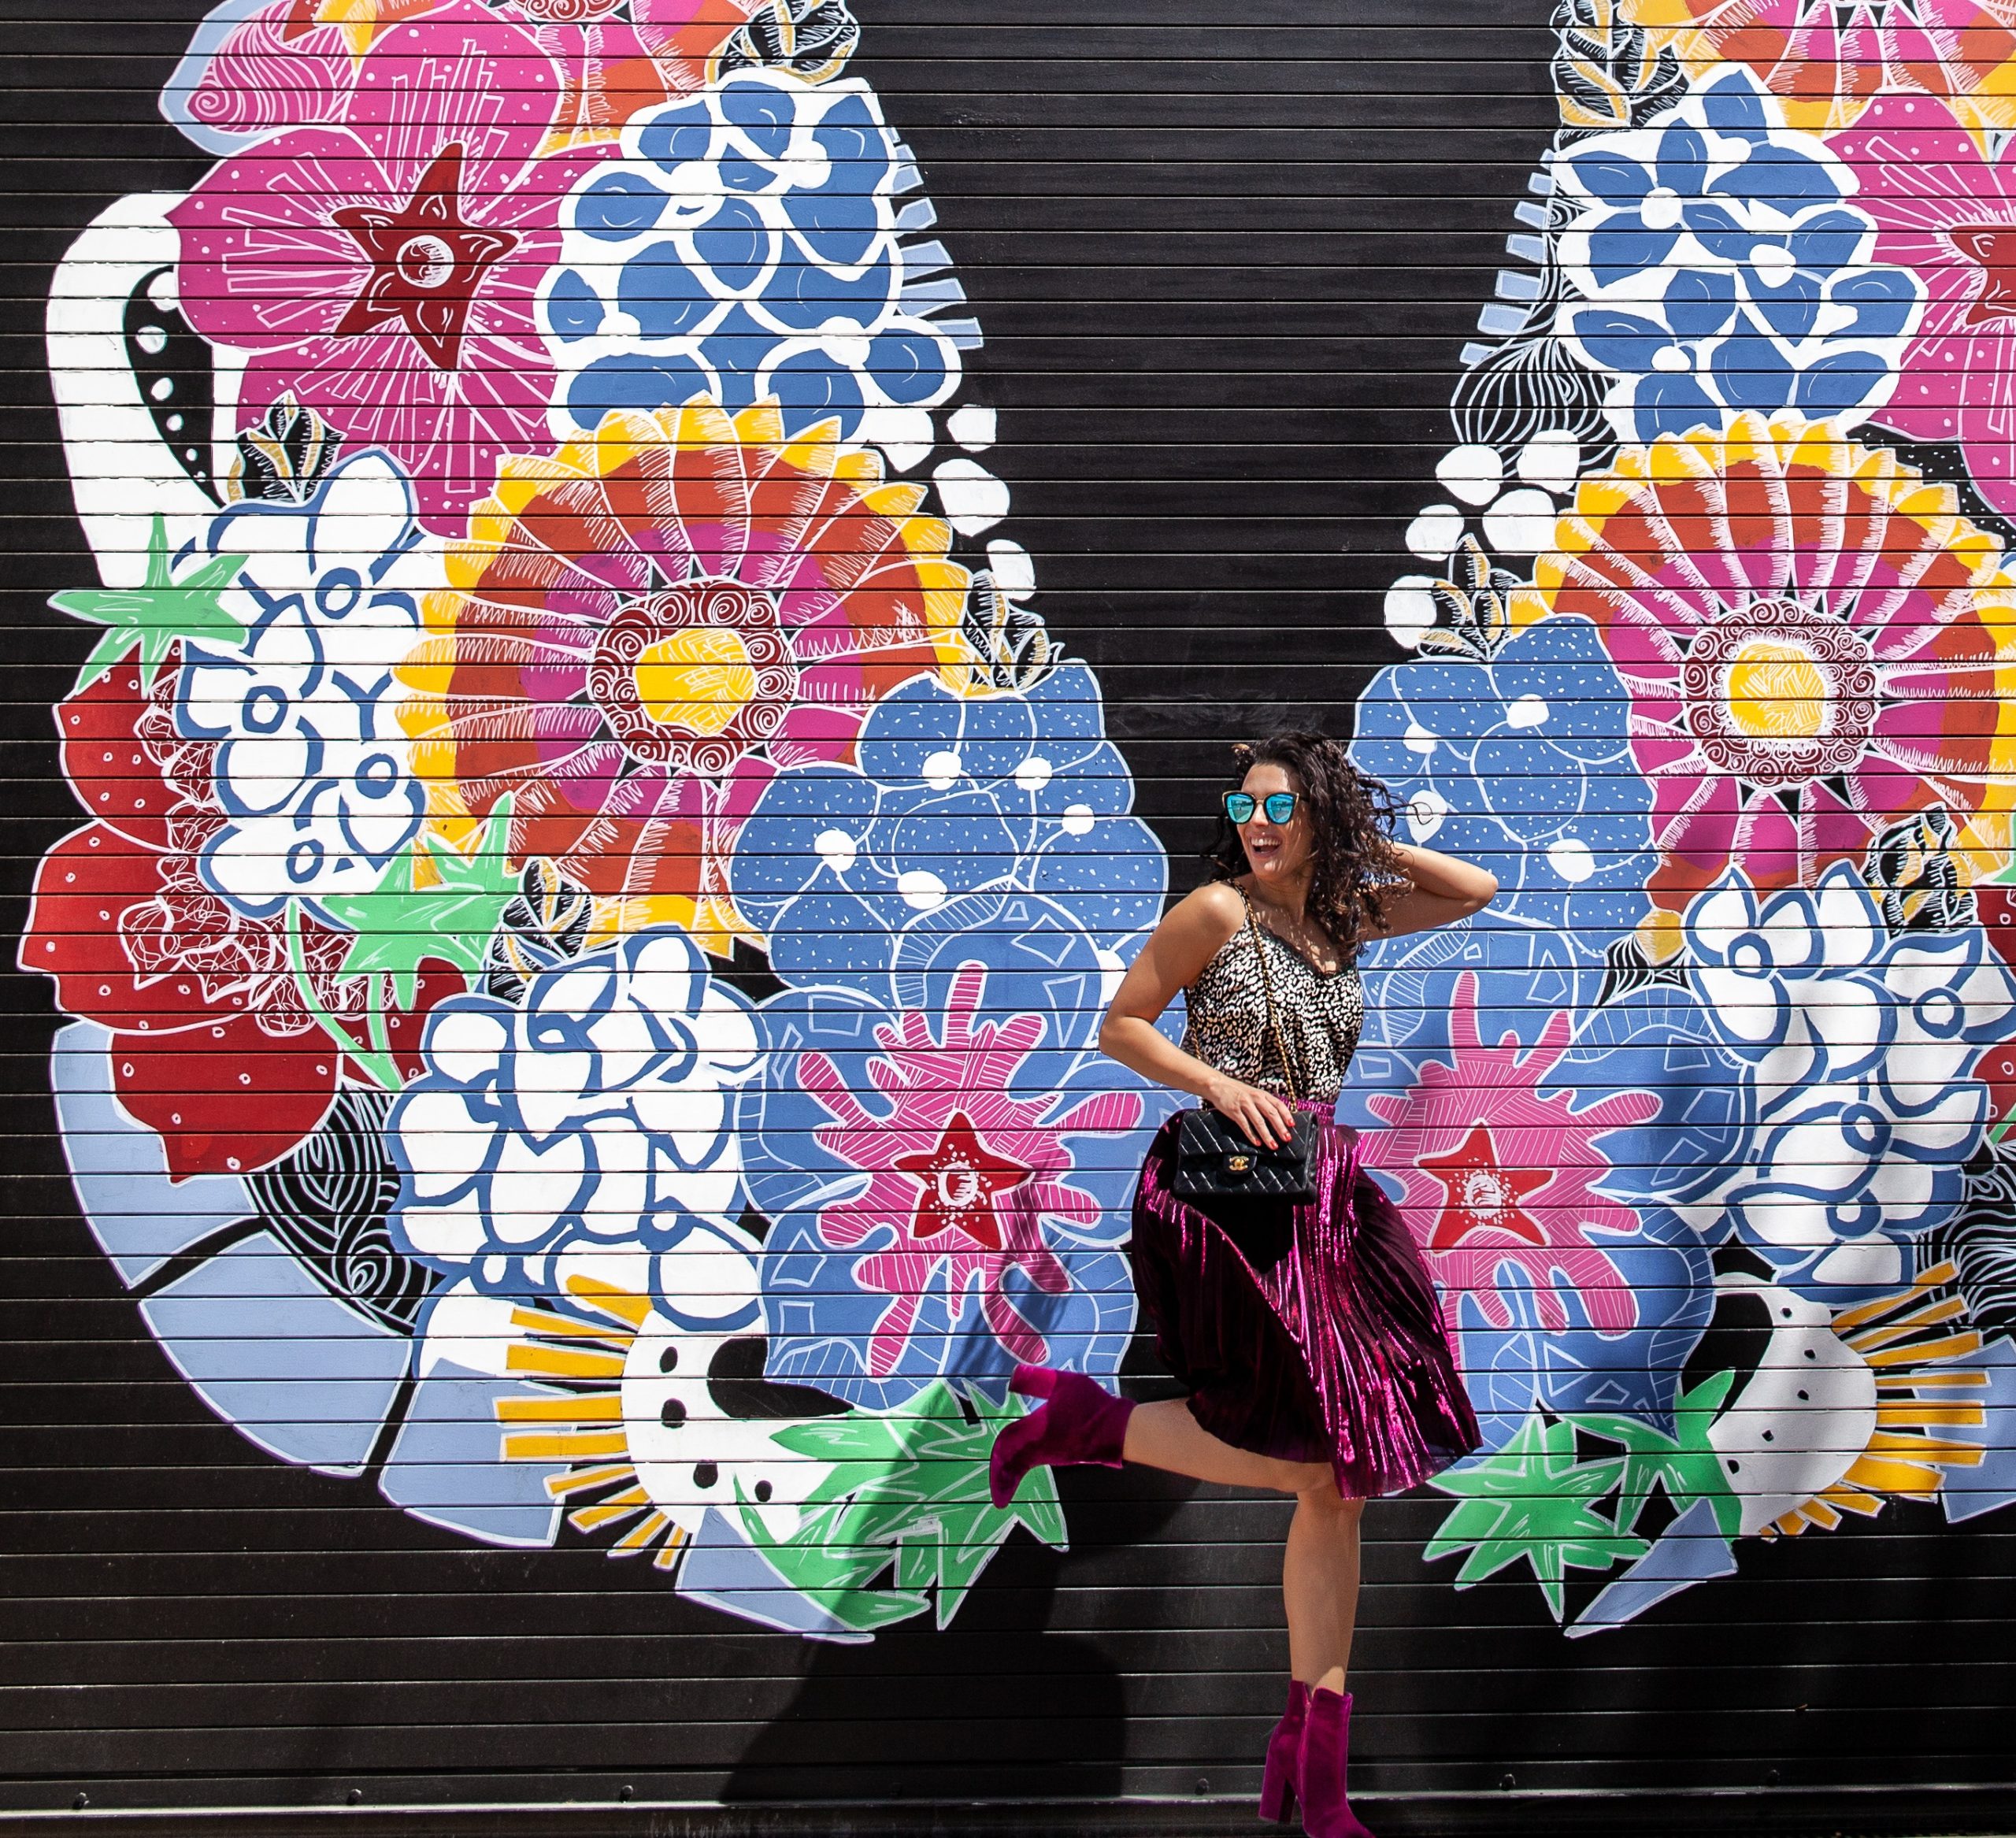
[[1320, 1015]]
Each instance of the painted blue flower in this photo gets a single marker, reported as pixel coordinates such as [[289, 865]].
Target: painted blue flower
[[745, 246], [996, 825], [1544, 1329], [1523, 764], [1853, 1110], [599, 1111], [947, 1185], [1720, 268], [312, 767]]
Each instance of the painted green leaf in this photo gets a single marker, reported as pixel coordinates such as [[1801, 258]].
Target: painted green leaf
[[906, 1496], [399, 923], [1534, 1500], [1686, 1466], [160, 611]]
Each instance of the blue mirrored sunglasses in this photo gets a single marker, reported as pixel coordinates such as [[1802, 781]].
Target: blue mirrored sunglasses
[[1279, 805]]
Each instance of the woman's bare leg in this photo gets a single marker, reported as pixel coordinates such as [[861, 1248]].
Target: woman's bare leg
[[1320, 1569], [1319, 1584], [1165, 1435]]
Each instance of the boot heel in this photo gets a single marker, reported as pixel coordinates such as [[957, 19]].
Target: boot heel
[[1277, 1794]]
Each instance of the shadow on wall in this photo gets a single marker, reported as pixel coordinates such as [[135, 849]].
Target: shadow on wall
[[995, 1706]]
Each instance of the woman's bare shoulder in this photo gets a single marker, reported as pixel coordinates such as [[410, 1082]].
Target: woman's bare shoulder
[[1208, 917]]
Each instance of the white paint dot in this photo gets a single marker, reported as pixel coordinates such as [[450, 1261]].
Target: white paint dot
[[942, 770], [1435, 532], [1550, 460], [973, 499], [1661, 209], [1409, 609], [1426, 812], [837, 849], [1014, 572], [973, 427], [1472, 472], [1672, 359], [1570, 858], [1773, 265], [1419, 740], [1034, 772], [1077, 820], [1528, 711], [922, 889], [1520, 523]]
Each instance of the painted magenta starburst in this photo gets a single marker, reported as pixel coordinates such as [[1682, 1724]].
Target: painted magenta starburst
[[961, 1174], [1498, 1176]]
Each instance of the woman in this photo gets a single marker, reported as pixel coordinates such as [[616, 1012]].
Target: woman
[[1308, 1335]]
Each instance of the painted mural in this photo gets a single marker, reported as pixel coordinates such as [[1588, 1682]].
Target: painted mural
[[599, 885]]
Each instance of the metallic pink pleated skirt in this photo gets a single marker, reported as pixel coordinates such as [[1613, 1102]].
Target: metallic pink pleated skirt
[[1309, 1333]]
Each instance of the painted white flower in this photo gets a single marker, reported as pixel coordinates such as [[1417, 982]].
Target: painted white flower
[[311, 766], [600, 1111], [1860, 1050]]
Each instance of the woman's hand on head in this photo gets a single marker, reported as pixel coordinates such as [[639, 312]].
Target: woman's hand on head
[[1268, 1122]]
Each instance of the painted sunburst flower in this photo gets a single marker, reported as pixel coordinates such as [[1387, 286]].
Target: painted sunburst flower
[[851, 1520], [618, 1389], [1844, 1415], [644, 627], [1816, 642]]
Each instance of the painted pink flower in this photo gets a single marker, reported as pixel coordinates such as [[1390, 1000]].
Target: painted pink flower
[[295, 63], [1498, 1175], [961, 1173], [1824, 60], [381, 268], [281, 67], [1947, 212]]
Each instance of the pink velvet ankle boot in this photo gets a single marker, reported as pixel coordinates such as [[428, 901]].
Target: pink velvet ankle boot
[[1283, 1747], [1326, 1810], [1080, 1423]]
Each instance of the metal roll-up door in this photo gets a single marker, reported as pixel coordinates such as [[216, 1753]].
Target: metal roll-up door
[[623, 614]]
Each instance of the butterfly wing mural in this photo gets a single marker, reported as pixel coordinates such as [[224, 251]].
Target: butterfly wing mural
[[599, 882]]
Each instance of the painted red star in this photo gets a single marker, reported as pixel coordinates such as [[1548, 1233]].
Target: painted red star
[[1994, 246], [1479, 1194], [425, 262], [961, 1178]]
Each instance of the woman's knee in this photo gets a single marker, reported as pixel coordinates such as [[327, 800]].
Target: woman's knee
[[1319, 1493]]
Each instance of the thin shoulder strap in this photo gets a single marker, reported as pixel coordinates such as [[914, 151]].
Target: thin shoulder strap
[[1267, 985]]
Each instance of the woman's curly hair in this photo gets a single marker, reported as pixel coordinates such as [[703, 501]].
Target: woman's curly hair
[[1351, 817]]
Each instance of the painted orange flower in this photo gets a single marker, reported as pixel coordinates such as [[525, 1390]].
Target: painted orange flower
[[645, 626], [1816, 642]]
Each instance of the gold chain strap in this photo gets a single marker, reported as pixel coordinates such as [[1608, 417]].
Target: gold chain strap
[[1274, 1017]]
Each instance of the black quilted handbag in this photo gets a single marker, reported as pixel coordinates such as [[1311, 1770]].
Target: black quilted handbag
[[1214, 1159]]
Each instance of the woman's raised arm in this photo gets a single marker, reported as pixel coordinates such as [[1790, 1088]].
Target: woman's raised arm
[[1440, 889]]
